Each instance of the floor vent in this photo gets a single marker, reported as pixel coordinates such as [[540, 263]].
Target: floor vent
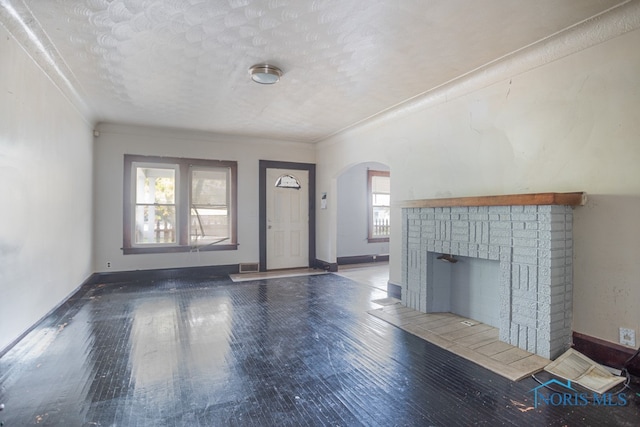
[[249, 267]]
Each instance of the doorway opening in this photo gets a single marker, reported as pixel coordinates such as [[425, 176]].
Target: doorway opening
[[287, 215]]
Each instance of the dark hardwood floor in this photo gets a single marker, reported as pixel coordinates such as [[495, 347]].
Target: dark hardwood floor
[[279, 352]]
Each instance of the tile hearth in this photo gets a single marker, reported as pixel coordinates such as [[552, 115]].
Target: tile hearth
[[472, 340]]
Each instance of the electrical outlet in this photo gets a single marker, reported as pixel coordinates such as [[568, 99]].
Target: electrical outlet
[[628, 337], [108, 265]]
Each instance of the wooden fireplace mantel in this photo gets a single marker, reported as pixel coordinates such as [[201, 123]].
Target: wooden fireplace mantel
[[566, 199]]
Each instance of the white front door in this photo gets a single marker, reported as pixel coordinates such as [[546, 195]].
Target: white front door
[[287, 218]]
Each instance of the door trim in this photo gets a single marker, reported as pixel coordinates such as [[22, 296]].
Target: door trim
[[262, 206]]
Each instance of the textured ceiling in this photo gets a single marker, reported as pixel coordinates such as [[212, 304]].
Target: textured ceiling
[[183, 63]]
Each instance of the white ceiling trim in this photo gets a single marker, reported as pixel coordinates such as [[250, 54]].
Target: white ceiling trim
[[18, 21], [606, 26]]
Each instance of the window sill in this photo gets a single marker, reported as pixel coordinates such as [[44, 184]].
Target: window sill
[[377, 239], [175, 249]]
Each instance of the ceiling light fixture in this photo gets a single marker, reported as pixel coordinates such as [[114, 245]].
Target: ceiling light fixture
[[265, 74]]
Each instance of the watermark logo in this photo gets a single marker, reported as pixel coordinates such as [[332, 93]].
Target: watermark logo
[[556, 393]]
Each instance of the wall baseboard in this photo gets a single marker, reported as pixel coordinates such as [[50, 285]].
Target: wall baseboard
[[123, 276], [72, 296], [331, 267], [165, 273], [361, 259], [394, 290], [605, 352]]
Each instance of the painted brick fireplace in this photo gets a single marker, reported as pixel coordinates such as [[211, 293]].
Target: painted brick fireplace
[[531, 237]]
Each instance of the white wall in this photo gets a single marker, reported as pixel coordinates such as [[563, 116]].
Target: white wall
[[46, 208], [353, 227], [570, 125], [117, 140]]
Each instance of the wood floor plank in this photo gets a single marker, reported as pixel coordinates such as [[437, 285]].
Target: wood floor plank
[[295, 351]]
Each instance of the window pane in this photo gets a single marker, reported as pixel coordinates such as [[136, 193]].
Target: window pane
[[381, 199], [155, 224], [209, 222], [381, 184], [155, 185], [209, 187], [381, 217]]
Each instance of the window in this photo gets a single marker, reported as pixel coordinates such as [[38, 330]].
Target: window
[[379, 199], [178, 205]]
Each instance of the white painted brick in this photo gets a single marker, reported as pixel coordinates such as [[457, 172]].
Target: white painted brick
[[483, 248], [520, 259], [525, 234], [544, 226], [543, 349], [499, 209], [522, 339], [524, 277], [455, 248], [515, 333], [531, 226], [459, 237], [504, 332], [544, 310], [497, 241], [531, 339], [478, 235], [478, 217], [526, 243], [517, 209], [538, 291], [543, 334], [558, 282], [473, 250], [523, 217], [523, 320], [515, 274], [485, 232], [505, 225]]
